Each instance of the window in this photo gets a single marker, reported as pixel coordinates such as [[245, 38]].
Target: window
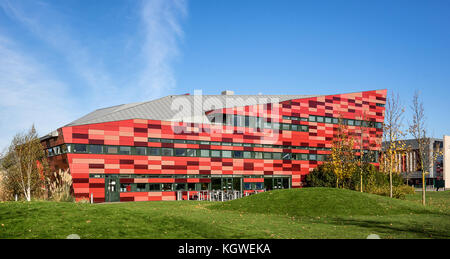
[[154, 140], [237, 144], [166, 152], [320, 158], [226, 153], [215, 153], [285, 127], [205, 143], [112, 150], [276, 125], [141, 187], [125, 187], [320, 119], [180, 152], [238, 154], [258, 155], [166, 140], [304, 128], [124, 150], [154, 151], [267, 155], [276, 156], [204, 152], [286, 156], [335, 120], [215, 143], [179, 141], [166, 186], [312, 157], [328, 120], [191, 152], [247, 154], [312, 118], [294, 127], [304, 156], [79, 148], [357, 123], [142, 151], [180, 186], [155, 187], [190, 141], [351, 122]]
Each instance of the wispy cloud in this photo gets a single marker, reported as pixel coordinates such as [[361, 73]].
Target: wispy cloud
[[31, 92], [28, 94], [162, 26]]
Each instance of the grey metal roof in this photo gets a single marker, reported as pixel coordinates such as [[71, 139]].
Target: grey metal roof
[[188, 108]]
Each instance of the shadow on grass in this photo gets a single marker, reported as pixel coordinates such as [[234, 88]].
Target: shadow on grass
[[390, 228]]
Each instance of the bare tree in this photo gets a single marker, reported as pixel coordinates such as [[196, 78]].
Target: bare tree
[[392, 133], [418, 130]]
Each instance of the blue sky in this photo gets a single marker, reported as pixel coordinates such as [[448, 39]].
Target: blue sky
[[62, 59]]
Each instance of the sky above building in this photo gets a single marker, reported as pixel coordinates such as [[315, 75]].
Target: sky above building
[[60, 60]]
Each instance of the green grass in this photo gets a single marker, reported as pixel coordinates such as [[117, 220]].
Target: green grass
[[295, 213], [439, 199]]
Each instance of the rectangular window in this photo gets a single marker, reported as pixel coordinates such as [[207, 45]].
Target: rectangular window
[[215, 143], [226, 153], [312, 157], [204, 152], [258, 155], [357, 123], [180, 152], [154, 140], [164, 140], [226, 143], [124, 150], [190, 141], [285, 126], [335, 120], [215, 153], [294, 127], [80, 148], [312, 118], [155, 187], [304, 156], [287, 156], [276, 125], [141, 187], [237, 144], [304, 128], [320, 158], [238, 154], [111, 150], [191, 152], [351, 122], [247, 154], [328, 120], [267, 155], [154, 151], [142, 151], [276, 156], [205, 143], [179, 141], [167, 187], [320, 119], [166, 151], [180, 186]]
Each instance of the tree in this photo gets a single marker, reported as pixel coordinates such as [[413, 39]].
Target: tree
[[392, 133], [20, 164], [418, 130], [342, 154]]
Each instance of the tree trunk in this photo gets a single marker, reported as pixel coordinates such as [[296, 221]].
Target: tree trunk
[[423, 187]]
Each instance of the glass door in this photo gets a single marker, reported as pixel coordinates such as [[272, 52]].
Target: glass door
[[112, 188]]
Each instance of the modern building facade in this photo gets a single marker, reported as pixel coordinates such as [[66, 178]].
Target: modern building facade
[[409, 165], [182, 145]]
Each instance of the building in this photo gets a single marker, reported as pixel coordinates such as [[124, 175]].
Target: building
[[161, 149], [409, 165]]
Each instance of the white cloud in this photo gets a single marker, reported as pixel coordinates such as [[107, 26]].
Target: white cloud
[[162, 26], [28, 94]]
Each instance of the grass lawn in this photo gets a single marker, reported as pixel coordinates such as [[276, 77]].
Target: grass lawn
[[295, 213]]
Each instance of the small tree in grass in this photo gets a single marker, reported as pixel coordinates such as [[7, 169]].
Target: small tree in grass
[[342, 154]]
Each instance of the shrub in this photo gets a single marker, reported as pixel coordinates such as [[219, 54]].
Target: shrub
[[60, 186]]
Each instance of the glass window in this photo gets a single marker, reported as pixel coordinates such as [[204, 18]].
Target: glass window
[[247, 121], [215, 153], [124, 150], [238, 154], [191, 152], [166, 186], [328, 120], [335, 120], [111, 150], [179, 141], [357, 123], [141, 187], [79, 148], [312, 157], [95, 149], [125, 187], [276, 155], [190, 141], [304, 128], [320, 119], [304, 156], [164, 140], [287, 156], [267, 155], [205, 143], [226, 143], [351, 122], [294, 127], [215, 143], [276, 125], [204, 152], [180, 152], [247, 154], [154, 151], [237, 144], [320, 158], [312, 118], [258, 155], [226, 153], [155, 187], [154, 140], [285, 126], [166, 151], [180, 186], [142, 151]]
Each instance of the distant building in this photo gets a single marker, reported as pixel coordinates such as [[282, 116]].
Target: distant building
[[410, 167]]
